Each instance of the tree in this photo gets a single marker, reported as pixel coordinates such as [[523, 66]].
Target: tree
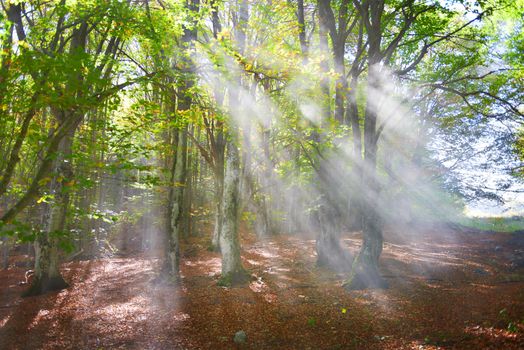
[[70, 75]]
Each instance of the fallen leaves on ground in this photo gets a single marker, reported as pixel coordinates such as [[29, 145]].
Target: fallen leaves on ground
[[448, 290]]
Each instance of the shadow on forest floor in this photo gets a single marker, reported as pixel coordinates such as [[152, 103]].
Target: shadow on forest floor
[[448, 289]]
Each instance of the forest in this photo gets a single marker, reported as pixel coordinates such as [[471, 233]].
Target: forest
[[262, 174]]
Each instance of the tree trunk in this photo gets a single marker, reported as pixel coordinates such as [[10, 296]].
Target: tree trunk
[[179, 171], [330, 253], [355, 206], [331, 214], [365, 272], [219, 186], [219, 152], [176, 206], [341, 85], [5, 253], [187, 198], [302, 29], [324, 67], [232, 270], [47, 258]]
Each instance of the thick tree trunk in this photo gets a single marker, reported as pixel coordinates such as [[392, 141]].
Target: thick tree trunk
[[330, 253], [47, 259], [328, 246], [331, 214], [232, 270], [365, 271]]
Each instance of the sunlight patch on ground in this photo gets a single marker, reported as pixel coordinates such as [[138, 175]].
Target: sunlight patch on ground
[[124, 311], [4, 320], [482, 287], [378, 298], [265, 253], [259, 286], [39, 316], [270, 298], [253, 262], [491, 332], [276, 270], [181, 316], [288, 278], [409, 257], [215, 264]]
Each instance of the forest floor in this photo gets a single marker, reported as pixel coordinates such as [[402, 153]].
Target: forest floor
[[449, 289]]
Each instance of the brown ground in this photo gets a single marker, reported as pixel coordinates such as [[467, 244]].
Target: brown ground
[[448, 290]]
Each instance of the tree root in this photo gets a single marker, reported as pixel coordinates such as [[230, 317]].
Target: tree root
[[234, 278], [43, 285]]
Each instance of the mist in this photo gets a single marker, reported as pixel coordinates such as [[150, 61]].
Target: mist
[[265, 175]]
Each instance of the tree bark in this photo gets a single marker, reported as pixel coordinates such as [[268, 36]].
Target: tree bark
[[232, 270], [219, 146], [47, 259], [179, 177], [176, 206], [331, 215], [302, 29], [324, 66], [355, 206], [5, 253], [365, 271], [219, 186]]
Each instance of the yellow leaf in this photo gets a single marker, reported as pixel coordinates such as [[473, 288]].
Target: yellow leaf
[[44, 181]]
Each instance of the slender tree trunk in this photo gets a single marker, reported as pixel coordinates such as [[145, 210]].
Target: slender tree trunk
[[5, 252], [176, 207], [89, 200], [219, 190], [268, 180], [219, 152], [179, 178], [219, 146], [341, 85], [187, 200], [324, 66], [302, 29], [355, 206]]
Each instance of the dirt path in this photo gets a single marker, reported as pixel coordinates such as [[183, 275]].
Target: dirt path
[[461, 290]]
